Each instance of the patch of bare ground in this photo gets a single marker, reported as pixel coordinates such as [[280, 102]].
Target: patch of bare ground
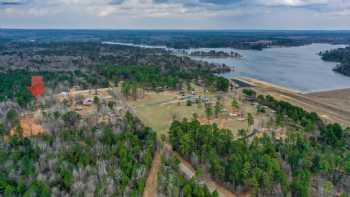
[[29, 126], [152, 179], [221, 122], [310, 102]]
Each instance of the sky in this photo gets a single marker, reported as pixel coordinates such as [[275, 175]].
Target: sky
[[175, 14]]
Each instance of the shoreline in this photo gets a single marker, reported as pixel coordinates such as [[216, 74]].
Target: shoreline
[[262, 82], [328, 91], [257, 82]]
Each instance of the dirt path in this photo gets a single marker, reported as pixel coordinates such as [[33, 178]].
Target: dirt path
[[152, 179], [222, 123], [211, 184]]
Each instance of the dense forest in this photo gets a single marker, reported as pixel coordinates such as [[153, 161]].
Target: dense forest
[[171, 183], [342, 56], [233, 162], [300, 165], [155, 77], [100, 160], [88, 56]]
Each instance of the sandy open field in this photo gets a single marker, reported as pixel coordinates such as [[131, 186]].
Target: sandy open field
[[339, 99]]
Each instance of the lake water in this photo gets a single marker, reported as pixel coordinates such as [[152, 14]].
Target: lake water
[[299, 68]]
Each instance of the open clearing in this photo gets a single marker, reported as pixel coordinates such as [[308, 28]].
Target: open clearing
[[158, 110], [153, 111]]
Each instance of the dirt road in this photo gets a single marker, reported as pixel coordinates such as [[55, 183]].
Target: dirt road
[[208, 181], [152, 179]]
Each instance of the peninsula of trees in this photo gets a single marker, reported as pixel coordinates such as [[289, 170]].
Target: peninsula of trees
[[342, 56], [215, 54]]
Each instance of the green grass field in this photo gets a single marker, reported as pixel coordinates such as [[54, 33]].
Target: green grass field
[[159, 116]]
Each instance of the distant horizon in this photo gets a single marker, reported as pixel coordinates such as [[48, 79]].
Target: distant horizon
[[174, 29], [176, 14]]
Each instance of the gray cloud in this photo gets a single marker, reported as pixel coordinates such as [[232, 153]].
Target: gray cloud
[[181, 13], [198, 2], [267, 3]]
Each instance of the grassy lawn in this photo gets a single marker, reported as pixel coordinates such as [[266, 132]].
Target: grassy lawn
[[156, 111]]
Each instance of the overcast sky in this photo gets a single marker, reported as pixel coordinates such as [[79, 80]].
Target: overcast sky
[[176, 14]]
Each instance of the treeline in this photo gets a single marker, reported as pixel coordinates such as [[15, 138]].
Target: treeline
[[342, 56], [171, 182], [182, 39], [308, 120], [155, 77], [101, 160]]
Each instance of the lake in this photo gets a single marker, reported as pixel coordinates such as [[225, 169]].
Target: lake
[[299, 68]]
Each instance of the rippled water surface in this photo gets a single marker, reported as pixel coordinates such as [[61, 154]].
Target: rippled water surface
[[299, 68]]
